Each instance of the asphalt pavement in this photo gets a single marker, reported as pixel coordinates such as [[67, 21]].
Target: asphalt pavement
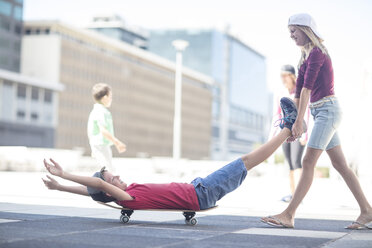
[[32, 216], [24, 225]]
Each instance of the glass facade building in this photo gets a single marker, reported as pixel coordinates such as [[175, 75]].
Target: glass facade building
[[241, 99], [10, 34]]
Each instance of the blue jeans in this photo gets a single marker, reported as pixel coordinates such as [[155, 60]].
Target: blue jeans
[[213, 187], [327, 118]]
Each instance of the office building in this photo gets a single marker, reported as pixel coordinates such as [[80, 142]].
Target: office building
[[241, 99], [142, 83]]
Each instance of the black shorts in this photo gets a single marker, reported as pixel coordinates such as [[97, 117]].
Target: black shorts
[[293, 154]]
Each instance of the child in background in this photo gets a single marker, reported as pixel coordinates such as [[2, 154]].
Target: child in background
[[101, 128]]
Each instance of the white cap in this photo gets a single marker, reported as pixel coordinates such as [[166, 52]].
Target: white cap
[[304, 20]]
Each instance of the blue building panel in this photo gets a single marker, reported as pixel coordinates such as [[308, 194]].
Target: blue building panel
[[248, 87], [219, 56]]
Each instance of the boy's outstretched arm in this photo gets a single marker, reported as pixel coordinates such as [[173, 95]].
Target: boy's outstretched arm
[[55, 169], [52, 184]]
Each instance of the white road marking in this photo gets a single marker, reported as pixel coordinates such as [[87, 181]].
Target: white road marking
[[292, 233], [7, 220]]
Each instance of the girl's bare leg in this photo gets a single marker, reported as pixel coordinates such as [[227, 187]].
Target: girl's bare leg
[[339, 163], [308, 164]]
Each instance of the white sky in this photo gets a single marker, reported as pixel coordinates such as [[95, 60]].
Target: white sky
[[346, 25]]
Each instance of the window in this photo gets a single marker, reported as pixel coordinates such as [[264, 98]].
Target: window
[[34, 116], [18, 29], [4, 43], [16, 46], [216, 109], [28, 31], [21, 114], [4, 61], [35, 93], [21, 91], [48, 96], [16, 63], [4, 24], [5, 8], [17, 13]]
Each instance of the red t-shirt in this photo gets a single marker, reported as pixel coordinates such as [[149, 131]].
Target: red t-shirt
[[161, 196]]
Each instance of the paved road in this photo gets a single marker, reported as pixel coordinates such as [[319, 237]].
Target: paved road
[[24, 225]]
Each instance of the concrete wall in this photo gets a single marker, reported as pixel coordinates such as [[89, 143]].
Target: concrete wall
[[41, 56]]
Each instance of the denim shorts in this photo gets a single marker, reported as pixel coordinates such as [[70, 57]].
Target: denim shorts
[[213, 187], [327, 118]]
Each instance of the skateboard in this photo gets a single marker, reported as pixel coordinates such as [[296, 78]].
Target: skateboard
[[188, 214]]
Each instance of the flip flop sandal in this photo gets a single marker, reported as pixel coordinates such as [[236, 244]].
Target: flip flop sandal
[[367, 226], [280, 225]]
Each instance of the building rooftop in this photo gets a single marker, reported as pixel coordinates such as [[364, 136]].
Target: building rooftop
[[116, 21]]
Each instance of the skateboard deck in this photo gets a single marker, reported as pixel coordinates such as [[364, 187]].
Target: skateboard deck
[[187, 213]]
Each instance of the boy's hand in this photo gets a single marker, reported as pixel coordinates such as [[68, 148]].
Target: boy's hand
[[51, 184], [54, 169], [120, 146]]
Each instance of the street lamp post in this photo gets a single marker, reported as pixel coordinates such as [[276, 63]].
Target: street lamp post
[[180, 46]]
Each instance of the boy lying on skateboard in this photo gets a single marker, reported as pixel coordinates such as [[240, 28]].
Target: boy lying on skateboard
[[201, 193]]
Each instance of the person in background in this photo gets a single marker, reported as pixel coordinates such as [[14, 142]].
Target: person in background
[[100, 127], [293, 151]]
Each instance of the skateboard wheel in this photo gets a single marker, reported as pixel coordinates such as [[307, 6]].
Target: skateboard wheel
[[191, 221], [124, 219]]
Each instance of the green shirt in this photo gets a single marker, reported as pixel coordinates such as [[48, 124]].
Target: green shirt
[[99, 117]]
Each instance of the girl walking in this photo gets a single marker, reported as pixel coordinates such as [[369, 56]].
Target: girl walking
[[315, 82]]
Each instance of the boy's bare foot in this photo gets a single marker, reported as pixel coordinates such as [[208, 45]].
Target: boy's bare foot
[[279, 220]]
